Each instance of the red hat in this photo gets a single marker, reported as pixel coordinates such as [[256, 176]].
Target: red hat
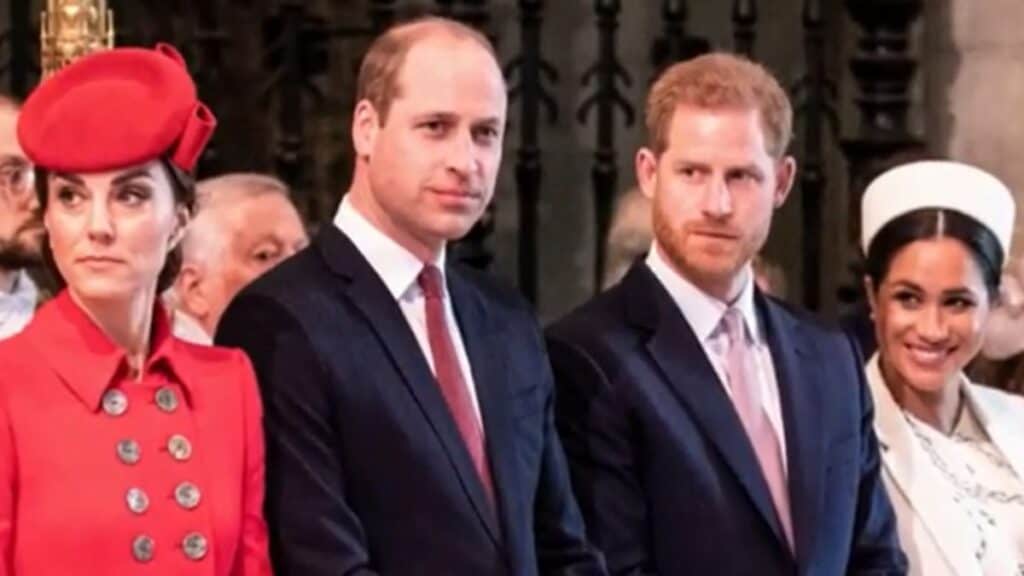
[[114, 109]]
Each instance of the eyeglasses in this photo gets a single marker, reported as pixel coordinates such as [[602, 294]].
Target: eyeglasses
[[17, 177]]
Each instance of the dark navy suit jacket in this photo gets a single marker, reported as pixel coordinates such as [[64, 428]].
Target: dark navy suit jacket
[[663, 470], [366, 470]]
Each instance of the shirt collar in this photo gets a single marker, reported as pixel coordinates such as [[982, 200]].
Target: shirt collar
[[396, 266], [88, 361], [17, 306], [24, 290], [702, 311], [186, 327]]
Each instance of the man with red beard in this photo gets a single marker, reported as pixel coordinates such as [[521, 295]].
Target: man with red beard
[[709, 428], [20, 227]]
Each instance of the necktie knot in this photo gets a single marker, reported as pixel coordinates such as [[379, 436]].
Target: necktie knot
[[732, 324], [430, 281]]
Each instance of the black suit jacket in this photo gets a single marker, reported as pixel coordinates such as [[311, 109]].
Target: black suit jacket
[[366, 470], [665, 475]]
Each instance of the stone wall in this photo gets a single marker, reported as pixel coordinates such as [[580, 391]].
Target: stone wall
[[974, 88]]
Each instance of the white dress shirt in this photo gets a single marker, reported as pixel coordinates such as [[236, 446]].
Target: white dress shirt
[[704, 315], [398, 269], [18, 305], [187, 328]]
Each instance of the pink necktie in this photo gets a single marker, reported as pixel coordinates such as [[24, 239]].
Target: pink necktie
[[449, 375], [746, 397]]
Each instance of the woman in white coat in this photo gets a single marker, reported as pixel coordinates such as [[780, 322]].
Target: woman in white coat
[[936, 235]]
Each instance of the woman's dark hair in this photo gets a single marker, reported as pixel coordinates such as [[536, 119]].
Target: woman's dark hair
[[183, 185], [929, 223]]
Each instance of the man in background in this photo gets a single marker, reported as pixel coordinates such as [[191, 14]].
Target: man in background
[[245, 224], [21, 229]]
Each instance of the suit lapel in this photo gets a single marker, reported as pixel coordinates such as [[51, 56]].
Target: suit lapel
[[798, 374], [483, 347], [368, 293], [915, 478], [681, 358]]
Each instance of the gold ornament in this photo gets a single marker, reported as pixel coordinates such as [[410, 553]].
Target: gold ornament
[[70, 29]]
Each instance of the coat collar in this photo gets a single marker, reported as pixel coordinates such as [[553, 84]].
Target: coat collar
[[702, 311], [89, 362], [1002, 417], [397, 267], [675, 348], [914, 476]]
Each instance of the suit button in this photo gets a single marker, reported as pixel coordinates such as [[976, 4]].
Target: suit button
[[128, 451], [137, 500], [179, 447], [143, 548], [194, 545], [115, 402], [187, 495], [166, 399]]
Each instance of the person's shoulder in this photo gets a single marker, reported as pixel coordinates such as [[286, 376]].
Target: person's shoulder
[[822, 338], [994, 400], [14, 345], [806, 320], [212, 355], [213, 361], [289, 288], [496, 294], [23, 348], [222, 376], [221, 365], [598, 314], [292, 275], [599, 328], [19, 357]]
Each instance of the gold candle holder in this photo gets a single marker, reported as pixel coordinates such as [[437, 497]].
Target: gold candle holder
[[70, 29]]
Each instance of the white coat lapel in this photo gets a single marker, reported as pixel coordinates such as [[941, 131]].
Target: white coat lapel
[[1002, 417], [917, 480]]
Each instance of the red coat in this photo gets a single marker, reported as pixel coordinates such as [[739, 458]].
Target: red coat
[[101, 474]]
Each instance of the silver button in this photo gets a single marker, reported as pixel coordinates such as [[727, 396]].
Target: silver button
[[137, 500], [143, 548], [187, 495], [166, 399], [128, 451], [115, 402], [179, 447], [194, 545]]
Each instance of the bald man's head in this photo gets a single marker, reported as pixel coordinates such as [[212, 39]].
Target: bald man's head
[[244, 225]]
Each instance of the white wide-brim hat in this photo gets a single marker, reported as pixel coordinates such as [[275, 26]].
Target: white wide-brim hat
[[938, 184]]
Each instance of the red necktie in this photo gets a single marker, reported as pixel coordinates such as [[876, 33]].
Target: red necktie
[[449, 375]]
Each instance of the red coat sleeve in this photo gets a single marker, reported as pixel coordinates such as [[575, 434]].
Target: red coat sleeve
[[253, 556]]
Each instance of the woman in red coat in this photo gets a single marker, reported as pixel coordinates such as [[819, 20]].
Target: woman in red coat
[[123, 450]]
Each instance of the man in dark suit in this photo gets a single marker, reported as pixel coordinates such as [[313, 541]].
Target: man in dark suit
[[409, 401], [709, 428]]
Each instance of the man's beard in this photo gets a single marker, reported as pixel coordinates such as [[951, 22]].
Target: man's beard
[[18, 252]]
